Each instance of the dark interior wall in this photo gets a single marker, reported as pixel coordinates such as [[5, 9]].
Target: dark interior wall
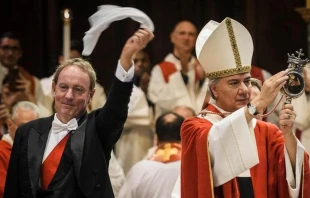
[[274, 25], [277, 29]]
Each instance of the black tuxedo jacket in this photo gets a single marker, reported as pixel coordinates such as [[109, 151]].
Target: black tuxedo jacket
[[89, 150]]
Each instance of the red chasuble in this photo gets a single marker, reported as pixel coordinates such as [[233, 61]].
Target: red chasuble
[[268, 177]]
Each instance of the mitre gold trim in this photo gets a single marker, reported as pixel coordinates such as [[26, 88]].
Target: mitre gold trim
[[229, 72], [239, 68], [233, 42]]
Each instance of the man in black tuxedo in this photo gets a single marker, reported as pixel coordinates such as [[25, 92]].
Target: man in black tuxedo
[[67, 154]]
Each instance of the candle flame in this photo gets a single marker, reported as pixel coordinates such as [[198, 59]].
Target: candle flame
[[66, 14]]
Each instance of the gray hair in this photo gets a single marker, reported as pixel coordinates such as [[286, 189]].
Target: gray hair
[[80, 63], [25, 105], [212, 82]]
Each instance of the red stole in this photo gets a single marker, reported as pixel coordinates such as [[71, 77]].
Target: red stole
[[168, 68], [268, 177], [50, 165], [167, 152]]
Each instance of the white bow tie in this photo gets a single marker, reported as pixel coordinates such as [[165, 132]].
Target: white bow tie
[[58, 126]]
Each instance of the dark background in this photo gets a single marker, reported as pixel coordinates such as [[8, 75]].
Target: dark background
[[275, 26]]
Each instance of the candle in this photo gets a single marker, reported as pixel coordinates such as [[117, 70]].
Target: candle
[[66, 34]]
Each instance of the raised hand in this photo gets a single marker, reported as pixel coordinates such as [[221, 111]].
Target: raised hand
[[9, 98], [24, 87], [270, 89], [134, 44], [4, 112]]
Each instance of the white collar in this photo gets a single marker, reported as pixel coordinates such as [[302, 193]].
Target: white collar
[[58, 126], [7, 138]]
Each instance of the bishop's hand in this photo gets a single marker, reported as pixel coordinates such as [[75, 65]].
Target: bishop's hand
[[286, 118], [134, 44], [269, 91]]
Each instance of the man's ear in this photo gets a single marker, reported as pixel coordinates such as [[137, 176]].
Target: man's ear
[[172, 35], [214, 91], [91, 95]]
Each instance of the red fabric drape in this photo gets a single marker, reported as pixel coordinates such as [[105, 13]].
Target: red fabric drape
[[50, 165]]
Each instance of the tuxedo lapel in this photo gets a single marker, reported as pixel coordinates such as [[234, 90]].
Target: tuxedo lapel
[[36, 146], [77, 145]]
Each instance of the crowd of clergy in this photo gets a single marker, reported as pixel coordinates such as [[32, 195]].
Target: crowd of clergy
[[146, 160]]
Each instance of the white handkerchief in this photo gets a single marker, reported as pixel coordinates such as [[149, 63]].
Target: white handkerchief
[[107, 14]]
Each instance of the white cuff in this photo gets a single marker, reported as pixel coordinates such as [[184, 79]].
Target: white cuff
[[294, 184], [122, 75]]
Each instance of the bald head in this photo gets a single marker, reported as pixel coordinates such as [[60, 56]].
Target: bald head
[[183, 37], [168, 127], [184, 111]]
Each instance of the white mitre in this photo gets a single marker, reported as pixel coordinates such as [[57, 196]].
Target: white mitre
[[224, 49]]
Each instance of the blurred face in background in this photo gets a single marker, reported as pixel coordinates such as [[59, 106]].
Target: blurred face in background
[[184, 37], [10, 52], [22, 116], [142, 63]]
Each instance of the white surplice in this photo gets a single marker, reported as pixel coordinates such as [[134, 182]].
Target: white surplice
[[150, 179], [137, 136], [167, 95]]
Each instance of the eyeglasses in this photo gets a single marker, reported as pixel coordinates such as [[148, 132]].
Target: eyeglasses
[[7, 48]]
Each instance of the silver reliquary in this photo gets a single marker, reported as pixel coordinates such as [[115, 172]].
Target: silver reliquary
[[295, 85]]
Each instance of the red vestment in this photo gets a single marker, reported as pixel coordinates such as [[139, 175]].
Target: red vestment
[[268, 176], [5, 153]]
